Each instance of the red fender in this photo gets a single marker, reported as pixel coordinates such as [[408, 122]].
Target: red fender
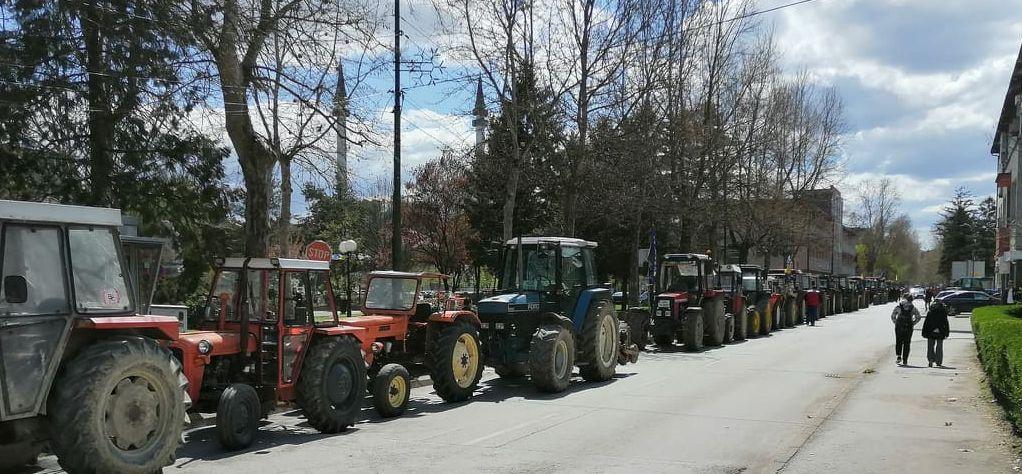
[[450, 317]]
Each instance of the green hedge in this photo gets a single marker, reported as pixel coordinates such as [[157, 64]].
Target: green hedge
[[998, 332]]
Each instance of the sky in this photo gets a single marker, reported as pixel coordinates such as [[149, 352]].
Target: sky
[[922, 83]]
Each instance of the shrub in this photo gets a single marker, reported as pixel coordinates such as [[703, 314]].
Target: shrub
[[998, 333]]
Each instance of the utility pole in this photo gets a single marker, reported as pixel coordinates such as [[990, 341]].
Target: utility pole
[[395, 239]]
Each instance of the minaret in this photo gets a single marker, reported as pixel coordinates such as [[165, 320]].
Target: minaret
[[480, 117], [341, 128]]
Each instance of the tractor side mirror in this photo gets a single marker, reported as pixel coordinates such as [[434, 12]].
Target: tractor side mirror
[[15, 289]]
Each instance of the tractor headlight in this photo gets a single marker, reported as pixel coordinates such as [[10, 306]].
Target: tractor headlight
[[663, 304], [205, 347]]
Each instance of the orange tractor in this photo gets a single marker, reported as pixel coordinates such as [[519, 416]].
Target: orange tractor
[[271, 335]]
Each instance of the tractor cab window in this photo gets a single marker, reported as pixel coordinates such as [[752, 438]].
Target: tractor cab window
[[391, 294], [33, 272], [727, 281], [750, 282], [221, 302], [261, 295], [590, 261], [99, 281], [539, 267], [680, 276], [573, 268], [297, 300], [322, 310]]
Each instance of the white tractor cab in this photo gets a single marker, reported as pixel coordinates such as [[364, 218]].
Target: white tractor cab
[[80, 368]]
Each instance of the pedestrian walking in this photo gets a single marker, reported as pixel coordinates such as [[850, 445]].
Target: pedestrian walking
[[813, 301], [905, 316], [927, 297], [935, 330]]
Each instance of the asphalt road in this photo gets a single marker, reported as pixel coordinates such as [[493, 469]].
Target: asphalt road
[[808, 399]]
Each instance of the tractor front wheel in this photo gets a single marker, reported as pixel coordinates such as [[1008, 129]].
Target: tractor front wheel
[[118, 406], [392, 387], [692, 332], [332, 384], [599, 341], [766, 319], [741, 324], [457, 365], [237, 416], [752, 323], [551, 358]]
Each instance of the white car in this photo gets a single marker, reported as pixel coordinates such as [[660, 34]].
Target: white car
[[917, 292]]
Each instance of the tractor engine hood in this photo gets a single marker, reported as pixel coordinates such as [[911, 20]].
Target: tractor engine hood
[[220, 343], [510, 303], [678, 297]]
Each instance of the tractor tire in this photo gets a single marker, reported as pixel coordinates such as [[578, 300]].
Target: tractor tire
[[766, 320], [692, 333], [663, 340], [332, 384], [94, 407], [392, 386], [800, 312], [778, 320], [599, 340], [752, 323], [791, 314], [237, 416], [551, 358], [713, 318], [638, 324], [729, 329], [508, 372], [456, 362], [741, 328]]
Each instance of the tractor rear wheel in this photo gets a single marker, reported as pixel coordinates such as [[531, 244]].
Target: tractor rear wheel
[[551, 358], [790, 314], [741, 330], [692, 332], [766, 319], [456, 363], [118, 406], [237, 416], [638, 323], [713, 318], [332, 384], [392, 387], [599, 341], [752, 317]]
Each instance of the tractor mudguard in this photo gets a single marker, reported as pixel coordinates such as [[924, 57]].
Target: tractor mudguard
[[587, 298], [558, 319], [157, 327], [450, 317], [193, 362]]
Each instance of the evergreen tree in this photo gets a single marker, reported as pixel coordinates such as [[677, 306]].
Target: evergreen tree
[[957, 231]]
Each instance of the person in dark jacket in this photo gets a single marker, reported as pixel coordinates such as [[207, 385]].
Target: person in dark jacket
[[905, 316], [935, 330]]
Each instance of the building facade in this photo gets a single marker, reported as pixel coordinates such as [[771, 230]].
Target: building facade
[[1005, 147]]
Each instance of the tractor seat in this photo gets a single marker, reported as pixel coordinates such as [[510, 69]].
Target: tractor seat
[[422, 312], [368, 321]]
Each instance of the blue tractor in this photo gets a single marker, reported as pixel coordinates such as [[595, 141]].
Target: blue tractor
[[551, 315]]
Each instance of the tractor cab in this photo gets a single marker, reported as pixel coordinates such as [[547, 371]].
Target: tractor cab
[[729, 280]]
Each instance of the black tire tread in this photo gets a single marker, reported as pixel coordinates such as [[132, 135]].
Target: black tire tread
[[440, 369], [541, 353], [309, 396], [591, 371]]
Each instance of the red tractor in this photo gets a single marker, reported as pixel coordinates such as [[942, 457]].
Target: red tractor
[[78, 367], [688, 307], [271, 335]]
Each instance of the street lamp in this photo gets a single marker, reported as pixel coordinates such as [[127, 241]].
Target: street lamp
[[346, 248]]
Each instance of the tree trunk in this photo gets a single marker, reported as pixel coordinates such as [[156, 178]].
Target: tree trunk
[[284, 225], [101, 126]]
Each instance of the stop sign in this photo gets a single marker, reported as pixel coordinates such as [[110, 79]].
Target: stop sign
[[318, 250]]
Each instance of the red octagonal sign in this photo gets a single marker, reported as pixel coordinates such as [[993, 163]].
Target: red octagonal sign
[[318, 250]]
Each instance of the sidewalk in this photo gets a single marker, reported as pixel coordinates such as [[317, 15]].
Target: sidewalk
[[916, 419]]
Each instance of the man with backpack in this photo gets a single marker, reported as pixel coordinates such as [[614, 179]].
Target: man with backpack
[[905, 316]]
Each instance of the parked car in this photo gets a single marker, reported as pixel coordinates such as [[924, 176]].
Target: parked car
[[966, 301], [945, 293], [917, 292]]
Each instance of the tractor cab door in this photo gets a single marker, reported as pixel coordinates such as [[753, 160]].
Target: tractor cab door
[[305, 297], [35, 314], [576, 274]]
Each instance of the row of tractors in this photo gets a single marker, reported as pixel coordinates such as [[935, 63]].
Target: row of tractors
[[109, 390], [697, 302]]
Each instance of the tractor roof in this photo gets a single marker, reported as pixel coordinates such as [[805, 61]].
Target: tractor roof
[[274, 263], [783, 271], [565, 241], [749, 266], [730, 268], [682, 257], [59, 213], [394, 274]]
